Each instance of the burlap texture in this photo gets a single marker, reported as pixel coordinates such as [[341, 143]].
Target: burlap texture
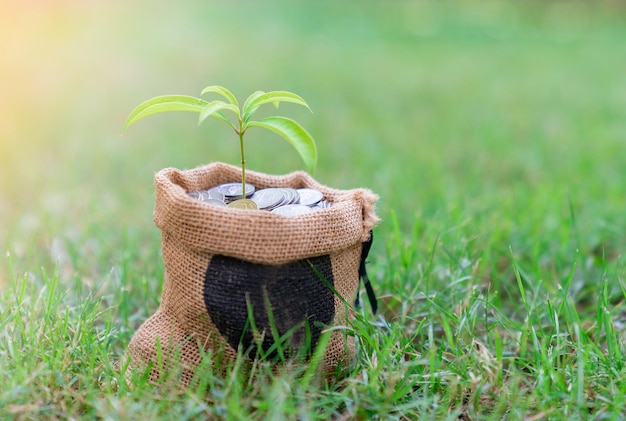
[[216, 258]]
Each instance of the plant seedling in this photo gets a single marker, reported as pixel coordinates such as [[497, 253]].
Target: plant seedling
[[287, 128]]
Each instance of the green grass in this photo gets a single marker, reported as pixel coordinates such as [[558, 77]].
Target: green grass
[[494, 134]]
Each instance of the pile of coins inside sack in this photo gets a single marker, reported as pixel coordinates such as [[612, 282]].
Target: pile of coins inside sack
[[281, 200]]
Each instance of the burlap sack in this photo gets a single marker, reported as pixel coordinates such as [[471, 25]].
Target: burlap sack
[[222, 264]]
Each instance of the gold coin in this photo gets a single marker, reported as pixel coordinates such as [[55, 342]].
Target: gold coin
[[243, 204]]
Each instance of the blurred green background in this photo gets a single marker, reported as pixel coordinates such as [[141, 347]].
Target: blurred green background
[[493, 132], [500, 118]]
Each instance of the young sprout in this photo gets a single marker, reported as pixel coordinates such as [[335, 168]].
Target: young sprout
[[287, 128]]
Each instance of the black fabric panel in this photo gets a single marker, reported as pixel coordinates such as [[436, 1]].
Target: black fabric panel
[[296, 294]]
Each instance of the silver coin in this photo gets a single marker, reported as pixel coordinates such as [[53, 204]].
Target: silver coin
[[309, 197], [292, 210], [195, 194], [291, 196], [200, 195], [287, 198], [268, 198], [215, 194], [325, 204], [322, 204], [230, 190]]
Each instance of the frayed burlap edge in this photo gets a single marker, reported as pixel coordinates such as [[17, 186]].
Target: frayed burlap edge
[[259, 237]]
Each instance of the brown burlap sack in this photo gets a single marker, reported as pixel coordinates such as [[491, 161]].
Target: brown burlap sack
[[223, 264]]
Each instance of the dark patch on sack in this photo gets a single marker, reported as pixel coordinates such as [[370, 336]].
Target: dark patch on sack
[[301, 303]]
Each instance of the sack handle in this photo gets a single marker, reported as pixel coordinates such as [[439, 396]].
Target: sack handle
[[371, 296]]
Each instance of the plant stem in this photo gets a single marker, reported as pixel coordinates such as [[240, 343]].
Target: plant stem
[[243, 164]]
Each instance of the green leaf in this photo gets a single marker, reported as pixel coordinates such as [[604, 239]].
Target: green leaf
[[274, 97], [223, 92], [212, 108], [246, 105], [164, 103], [293, 133]]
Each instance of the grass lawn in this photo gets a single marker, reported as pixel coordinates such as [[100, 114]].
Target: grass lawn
[[494, 134]]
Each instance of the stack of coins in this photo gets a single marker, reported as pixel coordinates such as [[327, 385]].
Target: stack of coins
[[232, 191], [211, 197], [281, 200], [270, 199]]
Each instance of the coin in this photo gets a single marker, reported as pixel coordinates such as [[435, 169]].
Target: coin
[[322, 204], [325, 204], [243, 204], [215, 194], [268, 198], [292, 210], [309, 197], [291, 196], [195, 194], [233, 190], [204, 195]]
